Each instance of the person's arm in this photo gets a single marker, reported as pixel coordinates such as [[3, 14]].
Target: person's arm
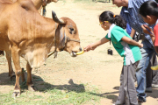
[[148, 30], [132, 33], [96, 44], [131, 41]]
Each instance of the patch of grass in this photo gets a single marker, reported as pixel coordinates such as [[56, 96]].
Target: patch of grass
[[76, 98], [54, 96]]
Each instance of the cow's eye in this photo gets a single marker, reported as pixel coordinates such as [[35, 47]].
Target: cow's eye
[[71, 30]]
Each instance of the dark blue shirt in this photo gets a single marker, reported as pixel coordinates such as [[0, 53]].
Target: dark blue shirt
[[132, 16]]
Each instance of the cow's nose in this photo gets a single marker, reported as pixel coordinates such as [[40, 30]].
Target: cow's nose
[[80, 49]]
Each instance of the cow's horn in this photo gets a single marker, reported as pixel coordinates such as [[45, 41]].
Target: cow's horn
[[55, 18]]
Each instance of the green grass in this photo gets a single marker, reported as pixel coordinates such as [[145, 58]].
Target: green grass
[[54, 96]]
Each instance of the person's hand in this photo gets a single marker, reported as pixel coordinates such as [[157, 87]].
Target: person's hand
[[141, 45], [89, 47], [148, 30]]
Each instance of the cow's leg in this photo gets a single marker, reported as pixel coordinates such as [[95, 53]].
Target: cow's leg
[[16, 61], [29, 78], [8, 57], [11, 72]]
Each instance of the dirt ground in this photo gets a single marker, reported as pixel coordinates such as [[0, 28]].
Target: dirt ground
[[95, 67]]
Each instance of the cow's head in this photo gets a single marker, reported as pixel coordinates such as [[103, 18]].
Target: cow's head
[[66, 35]]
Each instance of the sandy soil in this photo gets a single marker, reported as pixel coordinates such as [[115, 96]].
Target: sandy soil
[[94, 68]]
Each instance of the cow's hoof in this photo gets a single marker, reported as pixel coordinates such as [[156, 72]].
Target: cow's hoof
[[31, 88], [16, 93]]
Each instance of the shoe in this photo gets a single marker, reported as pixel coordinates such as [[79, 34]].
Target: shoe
[[141, 100], [149, 90], [154, 85]]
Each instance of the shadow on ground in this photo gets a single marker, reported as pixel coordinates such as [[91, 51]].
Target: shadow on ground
[[154, 93], [5, 79], [108, 95], [41, 85]]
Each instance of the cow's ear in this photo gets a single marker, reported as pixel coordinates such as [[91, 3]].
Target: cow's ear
[[60, 37], [56, 19]]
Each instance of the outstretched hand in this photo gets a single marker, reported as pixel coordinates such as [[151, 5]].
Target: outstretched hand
[[89, 47]]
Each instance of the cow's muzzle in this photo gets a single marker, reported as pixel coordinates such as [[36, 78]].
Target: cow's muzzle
[[74, 54]]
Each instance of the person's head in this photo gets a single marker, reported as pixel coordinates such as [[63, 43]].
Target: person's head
[[149, 12], [120, 3], [107, 18]]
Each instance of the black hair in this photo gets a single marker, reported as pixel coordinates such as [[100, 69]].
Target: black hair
[[149, 8], [110, 17]]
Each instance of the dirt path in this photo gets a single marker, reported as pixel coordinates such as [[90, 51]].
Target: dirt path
[[94, 68]]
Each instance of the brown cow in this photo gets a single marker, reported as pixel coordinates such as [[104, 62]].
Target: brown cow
[[24, 32], [38, 4]]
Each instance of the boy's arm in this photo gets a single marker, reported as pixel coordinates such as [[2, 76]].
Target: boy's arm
[[131, 41], [96, 44]]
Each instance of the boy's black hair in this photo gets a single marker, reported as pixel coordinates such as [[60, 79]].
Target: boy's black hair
[[149, 8], [109, 16]]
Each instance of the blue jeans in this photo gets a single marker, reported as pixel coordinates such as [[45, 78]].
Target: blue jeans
[[147, 51]]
